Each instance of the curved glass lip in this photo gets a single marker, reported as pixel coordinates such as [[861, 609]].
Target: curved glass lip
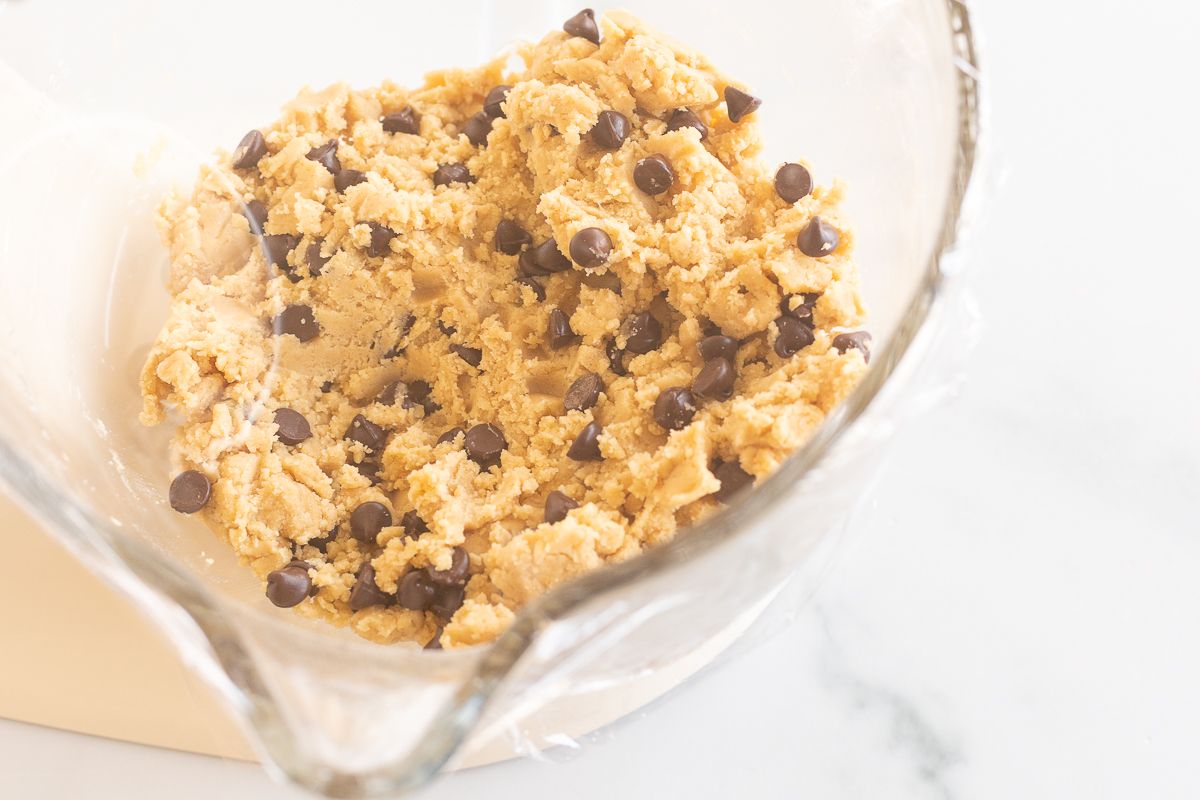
[[134, 567]]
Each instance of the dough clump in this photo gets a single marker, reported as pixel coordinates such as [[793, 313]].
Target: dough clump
[[372, 286]]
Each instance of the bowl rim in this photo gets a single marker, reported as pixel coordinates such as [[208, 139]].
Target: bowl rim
[[161, 588]]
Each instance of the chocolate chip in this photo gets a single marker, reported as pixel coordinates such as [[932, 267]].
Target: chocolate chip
[[316, 261], [715, 380], [642, 333], [616, 357], [434, 643], [292, 427], [447, 174], [368, 520], [476, 129], [347, 178], [456, 575], [559, 334], [739, 103], [511, 237], [733, 479], [606, 280], [590, 248], [583, 25], [326, 156], [718, 346], [653, 174], [859, 340], [527, 264], [449, 599], [381, 240], [366, 433], [365, 592], [275, 249], [392, 392], [584, 392], [586, 446], [402, 121], [189, 492], [256, 215], [419, 390], [674, 408], [298, 320], [250, 150], [321, 542], [299, 565], [484, 443], [792, 182], [818, 238], [450, 435], [493, 104], [471, 355], [369, 469], [447, 330], [792, 337], [326, 387], [287, 587], [549, 258], [534, 286], [412, 523], [610, 130], [421, 393], [683, 118], [802, 310], [557, 506], [416, 591]]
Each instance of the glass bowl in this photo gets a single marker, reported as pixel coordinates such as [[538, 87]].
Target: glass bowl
[[106, 109]]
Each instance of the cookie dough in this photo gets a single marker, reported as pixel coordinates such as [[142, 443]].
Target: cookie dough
[[433, 351]]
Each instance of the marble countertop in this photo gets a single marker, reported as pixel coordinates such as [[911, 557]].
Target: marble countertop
[[1014, 614]]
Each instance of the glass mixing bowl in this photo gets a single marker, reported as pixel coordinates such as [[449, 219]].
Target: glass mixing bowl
[[108, 104]]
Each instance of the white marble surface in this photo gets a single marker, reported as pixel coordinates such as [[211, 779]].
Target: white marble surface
[[1016, 613]]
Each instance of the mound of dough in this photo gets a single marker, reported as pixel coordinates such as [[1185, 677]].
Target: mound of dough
[[378, 290]]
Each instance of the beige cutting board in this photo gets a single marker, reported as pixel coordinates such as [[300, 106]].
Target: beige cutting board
[[77, 656]]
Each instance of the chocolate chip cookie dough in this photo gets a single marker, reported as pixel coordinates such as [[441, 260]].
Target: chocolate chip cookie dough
[[433, 351]]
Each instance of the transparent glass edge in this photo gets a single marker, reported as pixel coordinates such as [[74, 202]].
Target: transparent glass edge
[[162, 590]]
